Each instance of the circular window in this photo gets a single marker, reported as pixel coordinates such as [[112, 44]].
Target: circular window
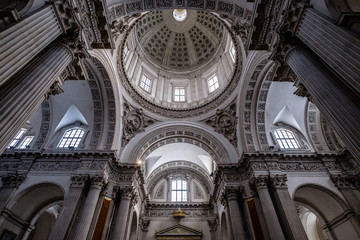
[[179, 14]]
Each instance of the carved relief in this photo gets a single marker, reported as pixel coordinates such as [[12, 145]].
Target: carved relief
[[225, 122], [12, 180], [279, 181], [45, 123], [134, 122]]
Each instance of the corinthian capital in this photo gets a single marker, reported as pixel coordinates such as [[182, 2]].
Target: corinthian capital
[[279, 181], [342, 181], [260, 182], [229, 193], [12, 181]]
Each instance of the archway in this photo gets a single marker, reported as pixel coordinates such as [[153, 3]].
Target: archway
[[336, 218]]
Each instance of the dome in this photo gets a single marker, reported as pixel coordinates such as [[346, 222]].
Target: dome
[[178, 60]]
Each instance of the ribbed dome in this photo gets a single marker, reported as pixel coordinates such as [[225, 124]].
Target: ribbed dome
[[179, 45]]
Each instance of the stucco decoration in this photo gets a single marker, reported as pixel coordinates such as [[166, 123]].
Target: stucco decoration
[[225, 122], [134, 121]]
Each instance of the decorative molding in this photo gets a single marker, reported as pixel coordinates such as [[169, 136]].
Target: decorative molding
[[54, 89], [12, 180], [45, 125], [225, 122], [144, 224], [213, 223], [134, 122], [279, 181], [260, 182], [160, 193]]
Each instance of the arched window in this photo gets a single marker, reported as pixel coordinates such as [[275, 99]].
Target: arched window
[[233, 52], [71, 138], [145, 83], [286, 139], [17, 138], [26, 142], [178, 190]]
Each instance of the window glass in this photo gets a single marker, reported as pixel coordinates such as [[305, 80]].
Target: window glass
[[179, 94], [213, 83], [286, 139], [126, 51], [178, 191], [71, 138], [17, 138], [233, 53], [26, 142], [145, 83]]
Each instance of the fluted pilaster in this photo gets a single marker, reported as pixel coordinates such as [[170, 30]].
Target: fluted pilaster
[[260, 183], [286, 209], [335, 101], [26, 91], [333, 44], [23, 41], [126, 196], [229, 199], [87, 211], [67, 215]]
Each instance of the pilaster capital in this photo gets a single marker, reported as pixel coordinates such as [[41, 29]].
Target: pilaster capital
[[12, 181], [144, 224], [343, 181], [229, 194], [54, 89], [279, 181], [97, 181], [260, 182], [213, 223], [78, 181], [126, 193]]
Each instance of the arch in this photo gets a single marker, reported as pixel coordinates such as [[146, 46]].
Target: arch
[[145, 143], [29, 204], [334, 213]]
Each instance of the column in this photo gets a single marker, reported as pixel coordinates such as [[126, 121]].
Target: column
[[82, 224], [338, 103], [347, 186], [24, 40], [288, 215], [230, 201], [9, 186], [335, 45], [26, 91], [271, 219], [123, 213], [67, 215]]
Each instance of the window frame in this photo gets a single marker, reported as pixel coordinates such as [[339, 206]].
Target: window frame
[[78, 139], [175, 95], [232, 52], [280, 140], [17, 139], [22, 146], [212, 78], [149, 85], [182, 191], [125, 51]]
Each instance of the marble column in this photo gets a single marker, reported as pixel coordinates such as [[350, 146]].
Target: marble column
[[288, 215], [335, 45], [9, 186], [68, 212], [24, 93], [230, 200], [82, 224], [347, 186], [24, 40], [338, 103], [271, 219], [123, 213]]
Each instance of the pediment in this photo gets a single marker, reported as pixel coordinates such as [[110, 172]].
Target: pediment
[[179, 231]]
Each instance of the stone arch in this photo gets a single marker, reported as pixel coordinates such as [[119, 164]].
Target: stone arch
[[104, 105], [28, 205], [143, 144], [336, 217], [252, 104], [45, 125]]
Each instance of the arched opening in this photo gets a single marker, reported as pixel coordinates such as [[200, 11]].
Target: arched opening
[[335, 218], [312, 224], [32, 208], [224, 228]]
